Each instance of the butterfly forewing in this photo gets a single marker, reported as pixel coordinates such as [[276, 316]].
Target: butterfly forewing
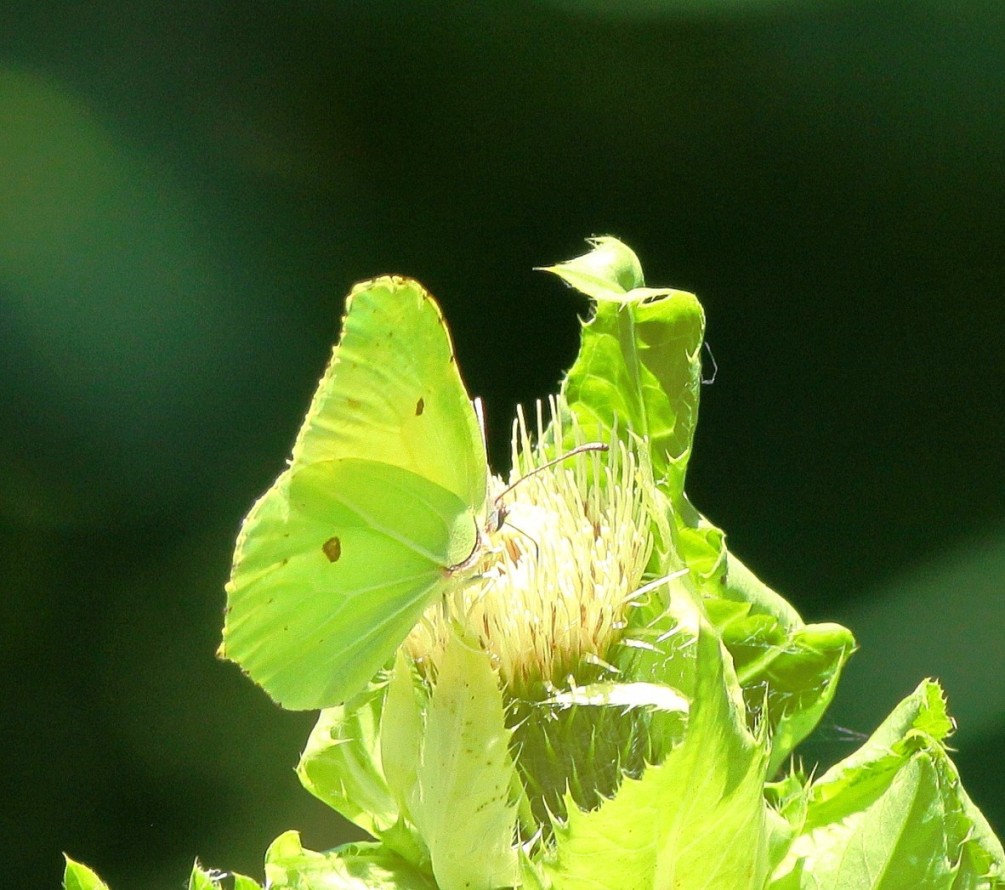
[[392, 393]]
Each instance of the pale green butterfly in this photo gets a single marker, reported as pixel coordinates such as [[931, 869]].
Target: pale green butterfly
[[380, 510]]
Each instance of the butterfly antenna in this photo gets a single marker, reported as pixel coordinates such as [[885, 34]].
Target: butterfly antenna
[[579, 449]]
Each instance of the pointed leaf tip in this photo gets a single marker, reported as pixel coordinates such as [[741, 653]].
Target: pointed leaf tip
[[77, 876], [608, 272]]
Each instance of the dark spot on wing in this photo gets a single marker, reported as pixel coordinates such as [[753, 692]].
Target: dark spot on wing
[[332, 549], [420, 406]]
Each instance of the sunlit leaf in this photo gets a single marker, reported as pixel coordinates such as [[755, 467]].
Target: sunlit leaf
[[77, 876]]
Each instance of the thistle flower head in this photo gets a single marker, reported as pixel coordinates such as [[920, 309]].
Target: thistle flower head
[[557, 576]]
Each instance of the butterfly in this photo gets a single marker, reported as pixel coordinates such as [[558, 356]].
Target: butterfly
[[381, 509]]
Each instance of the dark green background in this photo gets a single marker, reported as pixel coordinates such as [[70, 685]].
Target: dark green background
[[188, 190]]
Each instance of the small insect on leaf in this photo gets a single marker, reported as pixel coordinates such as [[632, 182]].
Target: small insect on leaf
[[420, 406]]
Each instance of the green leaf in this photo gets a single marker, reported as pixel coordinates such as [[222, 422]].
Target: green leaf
[[288, 866], [462, 805], [341, 764], [789, 674], [77, 876], [697, 819], [639, 367], [203, 879], [608, 272], [639, 364], [787, 802], [739, 584], [894, 814], [789, 670], [401, 732]]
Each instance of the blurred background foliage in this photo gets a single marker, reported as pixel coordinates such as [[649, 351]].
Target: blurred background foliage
[[188, 190]]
